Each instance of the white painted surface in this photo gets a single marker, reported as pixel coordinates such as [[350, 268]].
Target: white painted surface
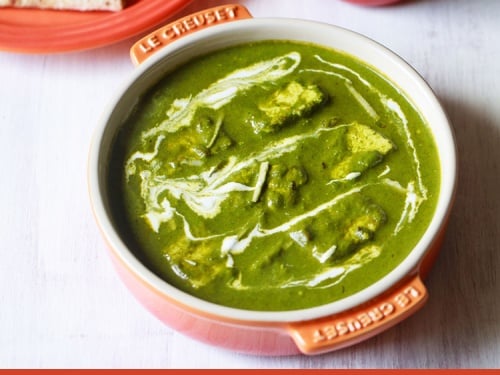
[[61, 303]]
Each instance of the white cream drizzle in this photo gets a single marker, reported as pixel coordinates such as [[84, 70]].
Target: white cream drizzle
[[385, 172], [362, 101], [414, 196], [323, 257], [395, 108], [261, 179], [328, 73], [349, 177], [205, 193], [355, 93], [337, 273], [130, 168], [235, 245], [345, 68], [224, 90], [299, 237]]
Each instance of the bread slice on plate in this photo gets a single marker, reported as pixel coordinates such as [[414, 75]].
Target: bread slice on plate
[[82, 5]]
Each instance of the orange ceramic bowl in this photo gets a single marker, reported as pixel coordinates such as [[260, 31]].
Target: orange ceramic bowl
[[314, 330]]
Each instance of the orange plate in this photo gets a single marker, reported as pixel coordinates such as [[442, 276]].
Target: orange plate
[[48, 31]]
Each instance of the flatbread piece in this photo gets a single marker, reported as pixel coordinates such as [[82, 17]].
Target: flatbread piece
[[83, 5]]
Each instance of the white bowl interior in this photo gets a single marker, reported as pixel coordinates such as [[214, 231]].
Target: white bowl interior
[[233, 33]]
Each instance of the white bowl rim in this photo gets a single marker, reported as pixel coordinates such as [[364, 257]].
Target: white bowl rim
[[408, 266]]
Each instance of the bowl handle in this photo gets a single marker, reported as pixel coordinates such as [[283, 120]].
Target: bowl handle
[[159, 38], [356, 325]]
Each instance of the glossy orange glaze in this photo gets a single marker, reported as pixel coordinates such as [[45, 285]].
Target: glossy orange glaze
[[158, 39]]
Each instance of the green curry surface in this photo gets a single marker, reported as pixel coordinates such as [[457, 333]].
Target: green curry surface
[[273, 176]]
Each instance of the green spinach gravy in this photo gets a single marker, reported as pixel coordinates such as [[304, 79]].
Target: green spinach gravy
[[273, 176]]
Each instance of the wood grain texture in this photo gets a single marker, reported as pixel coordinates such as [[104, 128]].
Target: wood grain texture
[[62, 304]]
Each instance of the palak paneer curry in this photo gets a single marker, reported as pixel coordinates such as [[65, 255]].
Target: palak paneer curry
[[273, 176]]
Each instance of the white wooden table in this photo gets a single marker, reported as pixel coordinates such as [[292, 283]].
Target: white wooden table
[[61, 303]]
